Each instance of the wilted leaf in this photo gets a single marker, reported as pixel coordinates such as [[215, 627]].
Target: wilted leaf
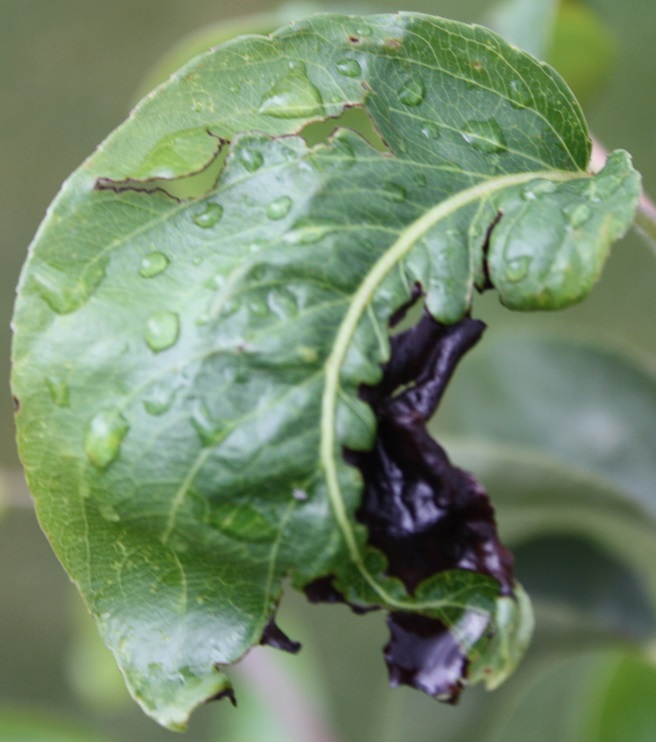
[[190, 372]]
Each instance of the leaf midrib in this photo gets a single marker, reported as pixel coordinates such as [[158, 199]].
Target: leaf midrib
[[362, 299]]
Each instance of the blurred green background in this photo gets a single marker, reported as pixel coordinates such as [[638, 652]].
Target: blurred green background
[[69, 71]]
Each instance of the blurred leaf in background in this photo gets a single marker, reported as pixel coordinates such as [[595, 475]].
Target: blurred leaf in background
[[571, 35]]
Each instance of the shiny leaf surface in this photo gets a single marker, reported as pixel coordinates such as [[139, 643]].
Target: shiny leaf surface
[[189, 371]]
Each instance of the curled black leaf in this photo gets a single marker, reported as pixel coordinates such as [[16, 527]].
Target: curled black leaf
[[274, 636], [423, 513], [426, 515]]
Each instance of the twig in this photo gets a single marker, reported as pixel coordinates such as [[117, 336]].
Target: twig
[[13, 490], [284, 697]]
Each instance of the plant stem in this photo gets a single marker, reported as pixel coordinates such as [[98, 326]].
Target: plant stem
[[285, 698], [13, 491]]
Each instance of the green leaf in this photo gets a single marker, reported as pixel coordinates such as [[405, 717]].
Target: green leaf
[[189, 371]]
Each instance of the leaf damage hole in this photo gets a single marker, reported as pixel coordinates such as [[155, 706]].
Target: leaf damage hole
[[424, 514], [191, 185], [354, 117]]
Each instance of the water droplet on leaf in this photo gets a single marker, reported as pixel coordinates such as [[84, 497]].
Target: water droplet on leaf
[[279, 208], [59, 392], [109, 513], [485, 136], [230, 307], [251, 159], [162, 330], [258, 306], [65, 292], [104, 436], [293, 96], [430, 131], [395, 192], [577, 214], [349, 67], [209, 430], [283, 303], [209, 216], [363, 30], [543, 186], [153, 264], [412, 92], [520, 95], [517, 268], [159, 398]]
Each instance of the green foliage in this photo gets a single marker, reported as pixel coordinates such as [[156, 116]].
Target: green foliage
[[188, 370]]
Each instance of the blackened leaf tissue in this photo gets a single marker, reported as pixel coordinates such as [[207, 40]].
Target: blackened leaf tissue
[[423, 513]]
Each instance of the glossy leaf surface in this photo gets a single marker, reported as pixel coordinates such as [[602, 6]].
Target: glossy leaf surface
[[189, 371]]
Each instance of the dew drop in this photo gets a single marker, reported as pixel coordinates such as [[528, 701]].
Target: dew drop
[[430, 131], [293, 96], [153, 264], [210, 431], [59, 392], [234, 88], [306, 232], [577, 214], [412, 92], [258, 306], [543, 186], [230, 307], [251, 159], [395, 192], [283, 303], [64, 292], [159, 398], [109, 513], [162, 330], [363, 31], [279, 208], [209, 216], [485, 136], [517, 268], [349, 67], [520, 95], [197, 106], [104, 436], [590, 192]]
